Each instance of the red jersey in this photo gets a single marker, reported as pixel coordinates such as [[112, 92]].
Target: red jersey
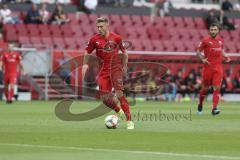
[[106, 48], [11, 61], [212, 48]]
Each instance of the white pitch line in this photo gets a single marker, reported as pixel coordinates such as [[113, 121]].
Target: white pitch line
[[122, 151]]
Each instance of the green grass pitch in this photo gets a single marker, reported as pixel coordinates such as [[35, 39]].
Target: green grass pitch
[[30, 130]]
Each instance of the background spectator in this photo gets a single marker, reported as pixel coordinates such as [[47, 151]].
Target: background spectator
[[33, 15], [44, 13], [89, 6], [227, 5], [59, 16], [223, 20], [6, 15], [211, 18], [237, 6]]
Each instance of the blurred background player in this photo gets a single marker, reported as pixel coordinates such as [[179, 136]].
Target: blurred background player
[[11, 63], [212, 47], [107, 45]]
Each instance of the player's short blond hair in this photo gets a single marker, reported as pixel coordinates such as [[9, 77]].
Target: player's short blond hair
[[102, 20]]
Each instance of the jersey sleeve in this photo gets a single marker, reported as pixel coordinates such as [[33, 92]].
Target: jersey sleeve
[[201, 46], [90, 46]]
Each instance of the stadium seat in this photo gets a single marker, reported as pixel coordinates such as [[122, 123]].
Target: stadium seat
[[203, 33], [174, 34], [164, 33], [83, 19], [121, 31], [168, 22], [66, 30], [180, 46], [158, 45], [189, 22], [136, 45], [73, 18], [137, 21], [92, 18], [184, 34], [132, 33], [190, 46], [146, 20], [35, 40], [10, 34], [152, 32], [200, 23], [127, 21], [168, 46], [147, 45], [141, 31], [24, 40], [179, 22], [116, 20], [47, 41]]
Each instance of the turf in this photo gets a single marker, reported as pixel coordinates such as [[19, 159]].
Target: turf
[[31, 130]]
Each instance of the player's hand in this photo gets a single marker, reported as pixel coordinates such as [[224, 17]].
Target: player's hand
[[227, 59], [205, 61]]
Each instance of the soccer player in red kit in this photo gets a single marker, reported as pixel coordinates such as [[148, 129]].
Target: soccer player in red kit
[[107, 45], [213, 55], [11, 62]]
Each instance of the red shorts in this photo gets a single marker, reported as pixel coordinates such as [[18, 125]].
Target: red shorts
[[108, 81], [212, 76], [10, 79]]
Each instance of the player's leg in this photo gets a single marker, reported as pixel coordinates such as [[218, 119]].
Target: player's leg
[[217, 80], [106, 96], [117, 81], [13, 80], [204, 89]]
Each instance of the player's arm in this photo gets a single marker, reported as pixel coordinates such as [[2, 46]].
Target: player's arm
[[199, 53], [124, 57], [89, 49], [226, 57]]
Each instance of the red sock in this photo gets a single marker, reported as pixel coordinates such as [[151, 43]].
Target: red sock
[[125, 107], [202, 95], [215, 98], [10, 94], [111, 104]]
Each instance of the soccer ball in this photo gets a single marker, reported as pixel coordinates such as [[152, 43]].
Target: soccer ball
[[111, 121]]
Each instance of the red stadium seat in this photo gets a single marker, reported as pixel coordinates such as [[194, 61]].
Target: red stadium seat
[[66, 30], [174, 34], [180, 46], [168, 46], [190, 46], [127, 21], [83, 19], [179, 22], [121, 31], [146, 20], [24, 40], [189, 22], [47, 41], [11, 35], [132, 33], [35, 40], [137, 21], [152, 32], [230, 47], [73, 18], [200, 23], [164, 33], [184, 34], [136, 45], [141, 31], [92, 18], [116, 20], [195, 35], [168, 22], [158, 45], [203, 33], [147, 45]]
